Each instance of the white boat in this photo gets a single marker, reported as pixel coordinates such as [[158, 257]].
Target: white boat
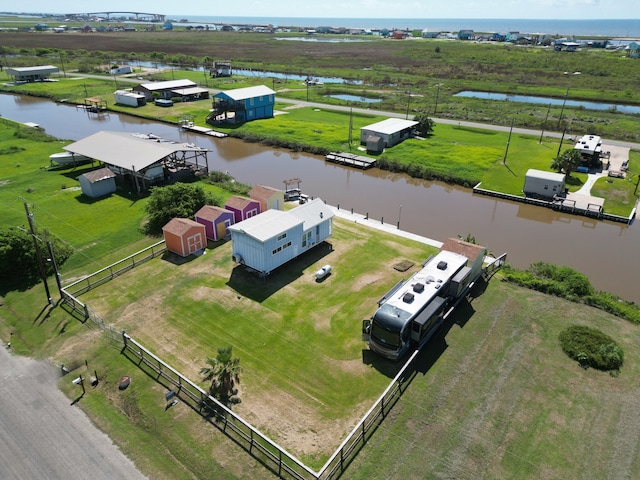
[[68, 158]]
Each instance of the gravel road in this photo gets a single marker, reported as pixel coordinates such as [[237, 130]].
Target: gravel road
[[42, 436]]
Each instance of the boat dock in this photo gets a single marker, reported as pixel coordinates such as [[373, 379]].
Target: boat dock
[[350, 159], [204, 130]]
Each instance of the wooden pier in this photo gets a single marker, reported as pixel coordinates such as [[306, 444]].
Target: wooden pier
[[204, 130], [350, 159]]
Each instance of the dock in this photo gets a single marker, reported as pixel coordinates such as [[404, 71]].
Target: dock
[[350, 159], [204, 130]]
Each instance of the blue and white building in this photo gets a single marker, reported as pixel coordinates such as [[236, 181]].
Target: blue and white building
[[268, 240], [243, 105]]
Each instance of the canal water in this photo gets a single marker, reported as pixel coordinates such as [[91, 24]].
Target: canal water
[[608, 253]]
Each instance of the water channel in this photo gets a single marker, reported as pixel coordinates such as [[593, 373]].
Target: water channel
[[608, 253]]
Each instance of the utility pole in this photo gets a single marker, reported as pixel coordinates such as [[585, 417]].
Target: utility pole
[[560, 146], [544, 124], [435, 108], [563, 104], [43, 274], [504, 160], [55, 267]]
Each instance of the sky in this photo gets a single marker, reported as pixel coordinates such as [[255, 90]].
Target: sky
[[512, 9]]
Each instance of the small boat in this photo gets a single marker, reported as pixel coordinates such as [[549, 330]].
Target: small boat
[[68, 158]]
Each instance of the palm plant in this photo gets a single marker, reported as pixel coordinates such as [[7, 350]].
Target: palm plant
[[223, 372]]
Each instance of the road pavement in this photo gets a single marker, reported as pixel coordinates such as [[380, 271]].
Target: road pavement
[[43, 436]]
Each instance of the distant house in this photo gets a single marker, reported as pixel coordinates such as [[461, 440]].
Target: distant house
[[164, 89], [543, 184], [267, 241], [392, 131], [98, 183], [216, 221], [184, 236], [31, 74], [633, 50], [242, 207], [132, 99], [426, 33], [243, 105], [497, 37], [466, 35], [269, 197], [221, 69]]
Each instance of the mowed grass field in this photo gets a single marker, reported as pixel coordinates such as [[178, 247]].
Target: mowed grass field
[[493, 396], [307, 375]]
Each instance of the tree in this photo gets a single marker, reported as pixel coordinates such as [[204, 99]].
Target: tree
[[425, 124], [223, 372], [18, 261], [567, 162], [174, 201]]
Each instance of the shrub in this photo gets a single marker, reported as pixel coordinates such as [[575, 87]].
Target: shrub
[[591, 348]]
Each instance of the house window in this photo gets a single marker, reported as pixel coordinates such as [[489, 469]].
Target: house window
[[282, 236], [546, 187], [251, 101]]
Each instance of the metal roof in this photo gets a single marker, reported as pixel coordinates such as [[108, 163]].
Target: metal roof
[[247, 92], [38, 69], [267, 224], [95, 176], [544, 175], [391, 125], [168, 85], [189, 91], [312, 213], [127, 150]]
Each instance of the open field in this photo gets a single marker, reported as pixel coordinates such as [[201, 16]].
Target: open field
[[417, 73], [494, 396]]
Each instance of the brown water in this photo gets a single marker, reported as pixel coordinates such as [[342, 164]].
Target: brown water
[[608, 253]]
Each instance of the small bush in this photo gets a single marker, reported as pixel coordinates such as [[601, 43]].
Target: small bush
[[591, 348]]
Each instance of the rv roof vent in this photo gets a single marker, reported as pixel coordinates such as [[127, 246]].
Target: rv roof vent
[[442, 265], [418, 287], [408, 297], [430, 279]]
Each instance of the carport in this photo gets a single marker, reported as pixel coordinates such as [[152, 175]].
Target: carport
[[145, 159]]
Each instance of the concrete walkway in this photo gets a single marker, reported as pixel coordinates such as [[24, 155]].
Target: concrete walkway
[[385, 227]]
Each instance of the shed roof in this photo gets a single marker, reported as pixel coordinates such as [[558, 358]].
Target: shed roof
[[168, 85], [245, 93], [98, 175], [238, 202], [267, 224], [391, 125], [127, 93], [543, 174], [180, 226], [469, 250], [263, 192], [211, 212], [126, 150]]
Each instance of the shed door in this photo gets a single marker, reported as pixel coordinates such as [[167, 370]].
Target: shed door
[[221, 230], [194, 243]]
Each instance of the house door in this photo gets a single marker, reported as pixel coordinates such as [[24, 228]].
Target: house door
[[221, 229]]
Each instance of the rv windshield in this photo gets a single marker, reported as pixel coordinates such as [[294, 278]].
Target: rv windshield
[[384, 337]]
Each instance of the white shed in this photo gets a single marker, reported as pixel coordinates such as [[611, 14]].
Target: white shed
[[543, 184], [132, 99], [98, 183]]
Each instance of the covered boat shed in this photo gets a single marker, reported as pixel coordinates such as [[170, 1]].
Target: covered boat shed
[[32, 74], [145, 159], [390, 131]]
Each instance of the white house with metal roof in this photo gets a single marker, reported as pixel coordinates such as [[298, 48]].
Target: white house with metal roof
[[391, 131], [268, 240], [242, 105]]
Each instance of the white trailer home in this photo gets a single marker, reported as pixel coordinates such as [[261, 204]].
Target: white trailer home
[[127, 97], [543, 184]]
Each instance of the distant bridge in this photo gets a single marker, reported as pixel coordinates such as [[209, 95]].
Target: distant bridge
[[138, 16]]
